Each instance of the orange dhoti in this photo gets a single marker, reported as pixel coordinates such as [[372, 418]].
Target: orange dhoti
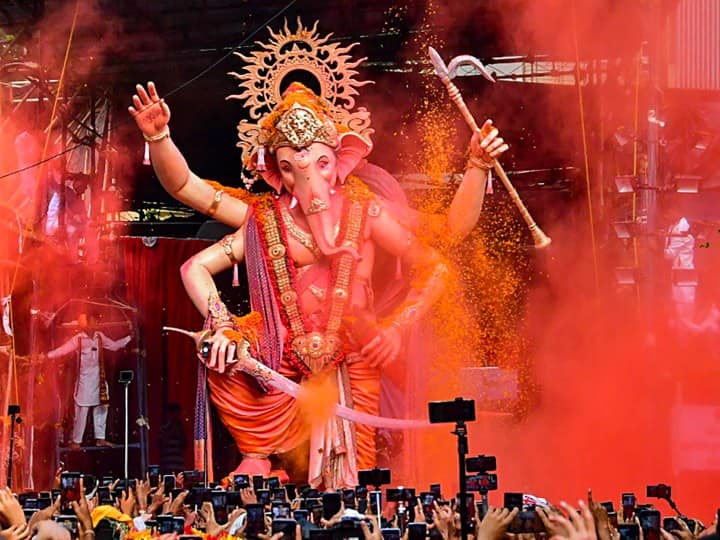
[[264, 423]]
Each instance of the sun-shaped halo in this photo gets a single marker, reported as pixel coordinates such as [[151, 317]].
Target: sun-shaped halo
[[269, 69]]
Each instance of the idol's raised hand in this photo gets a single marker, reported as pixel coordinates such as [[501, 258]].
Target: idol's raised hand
[[150, 112]]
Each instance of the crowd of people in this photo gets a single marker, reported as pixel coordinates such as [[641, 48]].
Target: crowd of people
[[253, 507]]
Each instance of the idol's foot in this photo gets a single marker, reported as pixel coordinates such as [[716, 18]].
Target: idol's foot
[[253, 466]]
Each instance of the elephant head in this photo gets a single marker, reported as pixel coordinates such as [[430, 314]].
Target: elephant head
[[308, 158]]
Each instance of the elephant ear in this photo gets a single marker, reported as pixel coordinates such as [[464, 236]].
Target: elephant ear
[[270, 172], [353, 148]]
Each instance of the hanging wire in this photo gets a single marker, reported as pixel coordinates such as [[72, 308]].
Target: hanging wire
[[28, 226], [175, 90], [585, 149]]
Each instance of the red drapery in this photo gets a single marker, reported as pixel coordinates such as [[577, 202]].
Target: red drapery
[[152, 277]]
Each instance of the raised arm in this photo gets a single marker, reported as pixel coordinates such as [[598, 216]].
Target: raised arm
[[197, 277], [428, 275], [70, 346], [152, 116], [113, 344], [464, 212]]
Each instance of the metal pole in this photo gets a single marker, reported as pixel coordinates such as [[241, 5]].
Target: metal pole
[[127, 428], [461, 432]]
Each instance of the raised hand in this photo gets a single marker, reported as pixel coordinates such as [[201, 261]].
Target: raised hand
[[577, 526], [10, 510], [495, 523], [150, 112], [486, 145]]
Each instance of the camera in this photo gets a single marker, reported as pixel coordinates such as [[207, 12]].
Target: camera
[[13, 409], [660, 491], [457, 410], [401, 494], [482, 483], [374, 477], [481, 464], [125, 376]]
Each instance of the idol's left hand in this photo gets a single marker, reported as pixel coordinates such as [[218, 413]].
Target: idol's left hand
[[384, 348], [486, 143]]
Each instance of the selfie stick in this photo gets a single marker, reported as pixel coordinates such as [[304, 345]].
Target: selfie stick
[[13, 411], [461, 433], [125, 380]]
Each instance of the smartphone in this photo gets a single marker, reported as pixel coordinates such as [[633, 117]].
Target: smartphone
[[165, 524], [241, 481], [285, 526], [513, 500], [417, 531], [436, 489], [69, 522], [263, 496], [168, 484], [44, 500], [470, 505], [391, 533], [691, 523], [628, 504], [154, 474], [650, 524], [629, 531], [178, 524], [219, 501], [427, 498], [526, 522], [258, 482], [301, 516], [348, 497], [321, 534], [233, 499], [255, 524], [30, 504], [69, 491], [608, 506], [331, 502], [104, 496], [291, 491], [280, 510], [671, 524], [272, 483], [613, 519], [279, 494]]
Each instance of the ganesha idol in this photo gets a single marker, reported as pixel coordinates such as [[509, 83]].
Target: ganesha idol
[[310, 245]]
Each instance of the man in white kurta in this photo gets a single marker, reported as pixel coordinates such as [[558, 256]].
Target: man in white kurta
[[88, 386]]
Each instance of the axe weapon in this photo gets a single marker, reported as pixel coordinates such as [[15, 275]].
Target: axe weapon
[[446, 74]]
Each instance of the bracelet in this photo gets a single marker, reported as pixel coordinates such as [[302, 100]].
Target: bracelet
[[216, 202], [226, 244], [218, 312], [159, 137], [475, 162]]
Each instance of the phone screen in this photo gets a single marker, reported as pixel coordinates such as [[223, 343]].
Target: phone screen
[[255, 520], [417, 531], [280, 510], [273, 482], [390, 534], [168, 483], [69, 490], [628, 531], [241, 481], [219, 503], [331, 504], [650, 524]]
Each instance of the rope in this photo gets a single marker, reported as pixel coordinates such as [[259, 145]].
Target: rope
[[585, 150]]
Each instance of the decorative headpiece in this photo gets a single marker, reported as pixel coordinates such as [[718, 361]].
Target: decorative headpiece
[[298, 117]]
